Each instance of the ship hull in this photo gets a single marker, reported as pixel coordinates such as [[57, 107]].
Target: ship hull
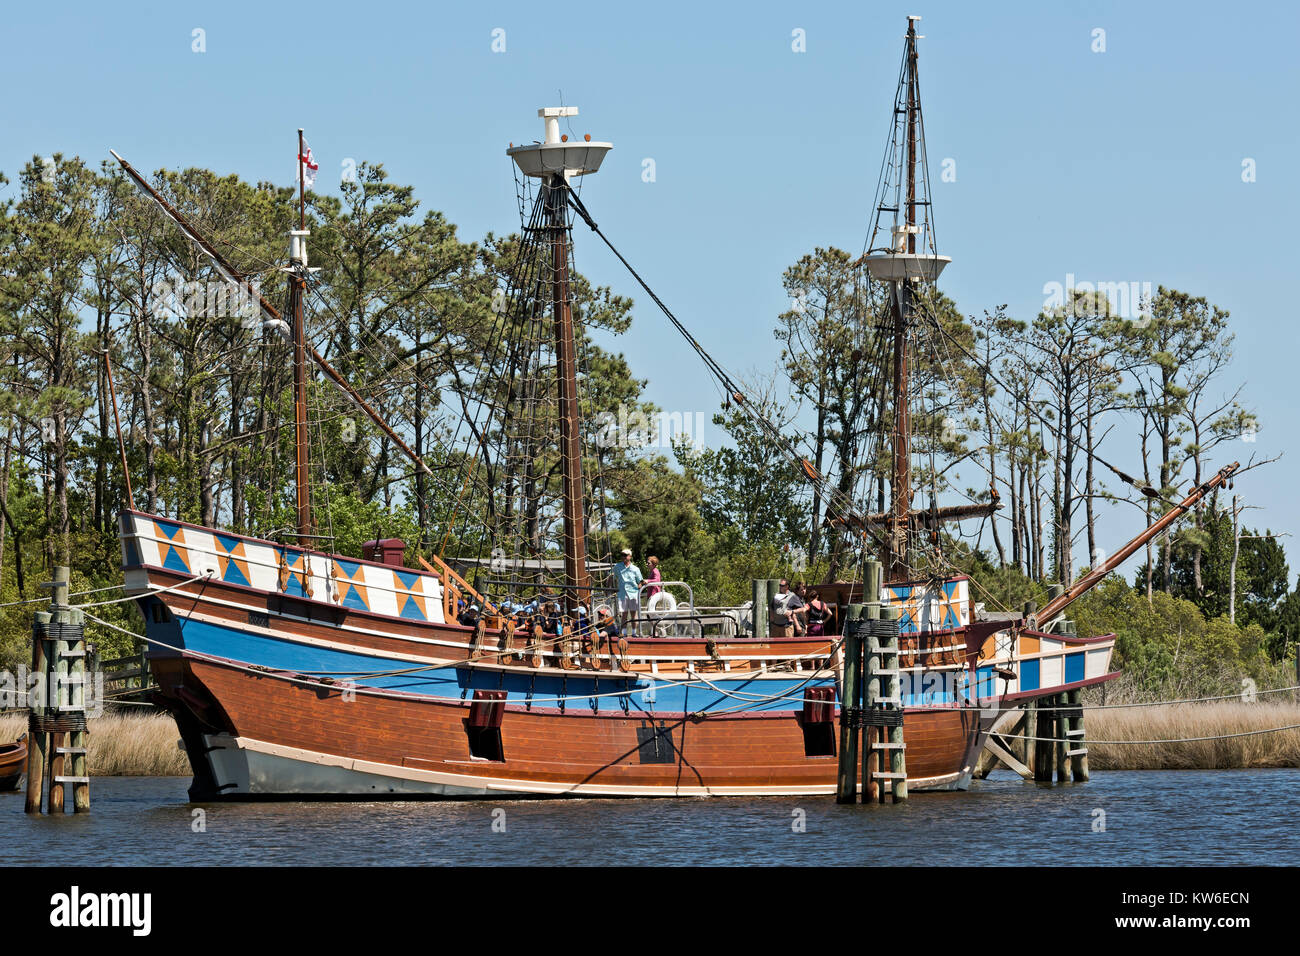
[[299, 675], [254, 735]]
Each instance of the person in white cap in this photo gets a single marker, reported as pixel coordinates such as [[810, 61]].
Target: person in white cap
[[629, 579]]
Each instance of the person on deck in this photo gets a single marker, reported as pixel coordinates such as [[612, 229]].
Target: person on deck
[[800, 607], [654, 577], [784, 618], [819, 615], [628, 576]]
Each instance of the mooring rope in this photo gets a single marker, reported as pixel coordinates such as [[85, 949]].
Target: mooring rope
[[28, 601], [1088, 741], [111, 587], [656, 687], [150, 592], [1185, 700]]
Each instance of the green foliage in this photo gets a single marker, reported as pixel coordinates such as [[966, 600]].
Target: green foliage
[[352, 520], [660, 511], [1168, 645], [751, 487]]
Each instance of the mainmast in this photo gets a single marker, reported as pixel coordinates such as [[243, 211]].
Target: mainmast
[[554, 162], [905, 269]]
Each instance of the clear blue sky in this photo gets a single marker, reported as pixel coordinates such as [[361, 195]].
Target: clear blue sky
[[1123, 165]]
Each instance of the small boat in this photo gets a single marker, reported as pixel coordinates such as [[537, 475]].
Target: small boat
[[13, 763]]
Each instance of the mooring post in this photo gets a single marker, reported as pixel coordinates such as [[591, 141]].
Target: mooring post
[[37, 738], [759, 598], [866, 688], [773, 588], [892, 686], [78, 655], [1031, 751], [1078, 752], [57, 707], [846, 786], [57, 663], [1043, 762], [870, 736], [1062, 739]]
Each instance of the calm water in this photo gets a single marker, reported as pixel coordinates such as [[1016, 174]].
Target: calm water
[[1153, 817]]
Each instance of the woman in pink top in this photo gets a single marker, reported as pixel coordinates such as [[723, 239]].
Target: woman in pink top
[[654, 577]]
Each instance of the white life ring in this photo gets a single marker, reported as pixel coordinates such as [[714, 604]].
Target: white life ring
[[661, 604]]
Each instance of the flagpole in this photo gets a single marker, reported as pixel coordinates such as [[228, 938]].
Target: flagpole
[[302, 188]]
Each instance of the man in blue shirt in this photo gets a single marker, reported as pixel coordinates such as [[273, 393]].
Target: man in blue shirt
[[628, 576]]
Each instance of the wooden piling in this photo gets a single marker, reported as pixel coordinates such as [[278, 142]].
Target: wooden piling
[[37, 740], [57, 708], [871, 754], [1061, 740], [1043, 730], [57, 789], [893, 691], [773, 589], [870, 735], [758, 595], [1031, 723], [846, 785], [58, 667], [77, 738], [1078, 752]]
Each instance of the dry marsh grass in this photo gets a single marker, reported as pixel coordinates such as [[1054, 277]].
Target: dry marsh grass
[[122, 745], [1181, 721]]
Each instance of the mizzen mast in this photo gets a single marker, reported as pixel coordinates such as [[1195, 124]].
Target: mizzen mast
[[555, 161], [298, 270]]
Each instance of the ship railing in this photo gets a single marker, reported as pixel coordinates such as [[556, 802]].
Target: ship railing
[[124, 678], [663, 614]]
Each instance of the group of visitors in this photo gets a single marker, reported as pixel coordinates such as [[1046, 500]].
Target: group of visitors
[[800, 611], [545, 608], [793, 613]]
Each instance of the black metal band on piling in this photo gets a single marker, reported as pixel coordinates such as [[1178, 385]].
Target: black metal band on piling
[[846, 785]]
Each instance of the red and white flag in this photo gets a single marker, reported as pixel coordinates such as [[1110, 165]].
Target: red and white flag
[[309, 166]]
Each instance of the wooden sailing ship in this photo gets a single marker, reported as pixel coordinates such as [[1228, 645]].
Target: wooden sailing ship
[[296, 672]]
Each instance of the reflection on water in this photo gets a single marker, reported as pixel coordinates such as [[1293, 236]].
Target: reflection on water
[[1153, 817]]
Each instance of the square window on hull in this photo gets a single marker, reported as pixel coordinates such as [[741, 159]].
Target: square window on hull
[[819, 740], [485, 743]]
